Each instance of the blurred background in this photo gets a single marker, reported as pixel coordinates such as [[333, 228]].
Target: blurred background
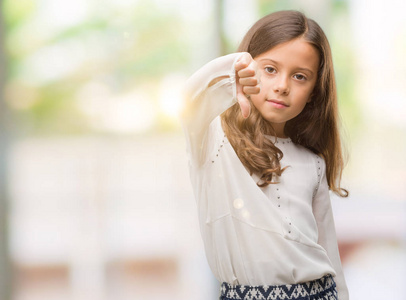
[[95, 199]]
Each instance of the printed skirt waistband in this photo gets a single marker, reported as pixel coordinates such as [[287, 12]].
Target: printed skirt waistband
[[323, 288]]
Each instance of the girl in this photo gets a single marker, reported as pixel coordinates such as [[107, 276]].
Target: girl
[[262, 170]]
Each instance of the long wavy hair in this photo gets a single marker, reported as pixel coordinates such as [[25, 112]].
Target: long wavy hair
[[315, 128]]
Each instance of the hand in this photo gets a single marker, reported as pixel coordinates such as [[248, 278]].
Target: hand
[[248, 82]]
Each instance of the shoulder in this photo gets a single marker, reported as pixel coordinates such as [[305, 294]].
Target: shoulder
[[216, 137], [216, 128]]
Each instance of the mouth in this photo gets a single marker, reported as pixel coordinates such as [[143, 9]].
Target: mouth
[[277, 103]]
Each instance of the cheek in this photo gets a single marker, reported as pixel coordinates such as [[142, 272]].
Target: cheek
[[304, 95], [258, 99], [310, 90]]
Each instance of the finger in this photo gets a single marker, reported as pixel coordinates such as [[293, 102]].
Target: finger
[[245, 105], [239, 66], [251, 81], [251, 90], [243, 62], [247, 72]]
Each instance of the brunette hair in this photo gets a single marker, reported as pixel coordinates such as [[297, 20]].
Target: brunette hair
[[315, 128]]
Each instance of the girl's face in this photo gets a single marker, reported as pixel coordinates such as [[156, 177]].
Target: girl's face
[[288, 75]]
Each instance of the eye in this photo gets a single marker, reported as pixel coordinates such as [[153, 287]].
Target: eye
[[300, 77], [270, 70]]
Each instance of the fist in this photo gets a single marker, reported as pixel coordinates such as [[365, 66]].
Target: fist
[[248, 82]]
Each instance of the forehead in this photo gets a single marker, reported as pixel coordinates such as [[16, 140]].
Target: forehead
[[296, 53]]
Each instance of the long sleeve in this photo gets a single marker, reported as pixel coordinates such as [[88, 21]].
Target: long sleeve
[[323, 213], [202, 104]]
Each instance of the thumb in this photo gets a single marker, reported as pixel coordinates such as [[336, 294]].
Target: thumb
[[245, 105]]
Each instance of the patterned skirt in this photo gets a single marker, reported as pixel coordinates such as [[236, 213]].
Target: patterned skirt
[[319, 289]]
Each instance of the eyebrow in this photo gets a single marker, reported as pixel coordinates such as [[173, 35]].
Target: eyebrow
[[276, 63]]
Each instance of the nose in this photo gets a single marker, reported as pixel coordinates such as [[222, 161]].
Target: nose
[[281, 85]]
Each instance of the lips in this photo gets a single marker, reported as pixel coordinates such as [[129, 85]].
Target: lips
[[278, 103]]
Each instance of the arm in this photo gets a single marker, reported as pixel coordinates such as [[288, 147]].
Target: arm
[[208, 93], [327, 235]]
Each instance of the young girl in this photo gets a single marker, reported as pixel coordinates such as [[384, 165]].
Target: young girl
[[262, 169]]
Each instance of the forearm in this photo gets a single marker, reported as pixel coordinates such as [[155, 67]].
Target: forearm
[[327, 238]]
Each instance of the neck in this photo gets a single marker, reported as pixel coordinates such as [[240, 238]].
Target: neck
[[279, 130]]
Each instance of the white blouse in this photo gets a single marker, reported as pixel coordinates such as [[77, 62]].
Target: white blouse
[[280, 234]]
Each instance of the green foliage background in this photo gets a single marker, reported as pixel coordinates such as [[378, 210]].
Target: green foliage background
[[122, 48]]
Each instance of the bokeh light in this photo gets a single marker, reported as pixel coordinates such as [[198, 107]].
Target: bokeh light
[[99, 199]]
